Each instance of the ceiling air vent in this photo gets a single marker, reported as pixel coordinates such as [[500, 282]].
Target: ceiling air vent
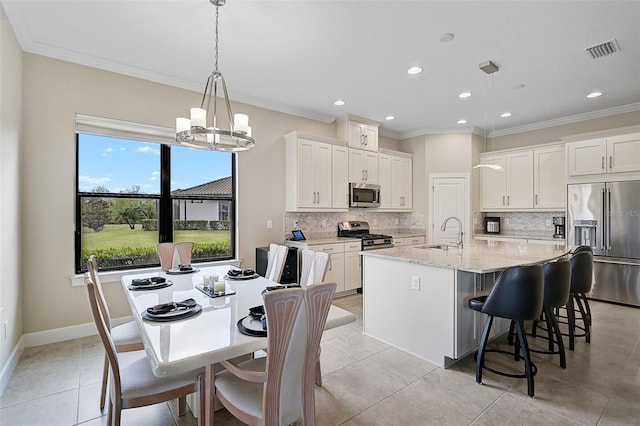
[[603, 49]]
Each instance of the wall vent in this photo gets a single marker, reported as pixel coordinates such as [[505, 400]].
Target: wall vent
[[603, 49]]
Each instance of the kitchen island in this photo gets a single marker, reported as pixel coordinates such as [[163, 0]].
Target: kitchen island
[[415, 298]]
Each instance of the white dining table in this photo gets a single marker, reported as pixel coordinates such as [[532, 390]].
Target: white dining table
[[208, 337]]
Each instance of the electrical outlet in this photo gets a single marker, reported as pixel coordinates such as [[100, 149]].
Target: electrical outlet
[[415, 282], [324, 223], [375, 221], [397, 221], [507, 221], [295, 224], [549, 222], [5, 327], [269, 224]]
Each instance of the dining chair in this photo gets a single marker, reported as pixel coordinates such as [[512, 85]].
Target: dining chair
[[165, 253], [306, 267], [279, 389], [185, 250], [132, 383], [275, 266], [126, 337]]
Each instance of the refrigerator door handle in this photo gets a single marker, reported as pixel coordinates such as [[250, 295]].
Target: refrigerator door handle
[[603, 244], [608, 213]]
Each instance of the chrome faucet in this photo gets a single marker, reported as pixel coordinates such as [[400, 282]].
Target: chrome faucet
[[444, 227]]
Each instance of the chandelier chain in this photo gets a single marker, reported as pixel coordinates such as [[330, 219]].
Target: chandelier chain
[[217, 7]]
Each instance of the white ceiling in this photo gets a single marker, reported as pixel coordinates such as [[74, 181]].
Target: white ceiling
[[300, 56]]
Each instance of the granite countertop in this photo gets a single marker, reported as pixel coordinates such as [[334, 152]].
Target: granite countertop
[[401, 232], [324, 240], [478, 256]]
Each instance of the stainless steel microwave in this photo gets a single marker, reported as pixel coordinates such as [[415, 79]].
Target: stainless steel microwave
[[364, 195]]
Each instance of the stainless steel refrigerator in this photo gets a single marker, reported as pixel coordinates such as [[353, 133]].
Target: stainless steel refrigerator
[[606, 216]]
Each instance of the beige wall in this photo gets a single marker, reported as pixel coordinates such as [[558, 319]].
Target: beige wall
[[554, 134], [54, 91], [10, 227]]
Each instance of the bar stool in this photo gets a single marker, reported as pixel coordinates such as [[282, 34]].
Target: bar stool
[[517, 295], [557, 280], [581, 281]]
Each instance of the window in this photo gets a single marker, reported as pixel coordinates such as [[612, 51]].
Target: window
[[132, 194]]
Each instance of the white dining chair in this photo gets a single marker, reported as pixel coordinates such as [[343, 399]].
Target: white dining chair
[[306, 267], [126, 337], [279, 389], [166, 253], [185, 251], [275, 266], [132, 383]]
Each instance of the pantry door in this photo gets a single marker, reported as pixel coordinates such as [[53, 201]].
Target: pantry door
[[449, 196]]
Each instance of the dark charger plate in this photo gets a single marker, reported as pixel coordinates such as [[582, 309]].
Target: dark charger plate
[[251, 326]]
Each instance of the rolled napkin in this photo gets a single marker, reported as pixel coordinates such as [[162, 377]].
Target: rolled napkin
[[248, 271], [234, 272], [165, 308], [257, 311], [147, 281], [185, 267]]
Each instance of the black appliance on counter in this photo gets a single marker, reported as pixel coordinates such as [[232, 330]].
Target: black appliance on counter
[[290, 272], [558, 223], [492, 225], [360, 229]]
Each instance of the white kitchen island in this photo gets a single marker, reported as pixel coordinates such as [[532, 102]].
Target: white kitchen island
[[415, 298]]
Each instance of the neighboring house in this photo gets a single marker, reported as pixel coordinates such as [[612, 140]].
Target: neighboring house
[[202, 209]]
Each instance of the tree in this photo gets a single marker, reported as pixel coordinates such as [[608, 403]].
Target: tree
[[96, 213], [132, 211]]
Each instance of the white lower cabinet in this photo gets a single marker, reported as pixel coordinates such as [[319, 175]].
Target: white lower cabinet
[[344, 262]]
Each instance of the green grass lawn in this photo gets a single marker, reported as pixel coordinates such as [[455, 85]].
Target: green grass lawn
[[123, 236]]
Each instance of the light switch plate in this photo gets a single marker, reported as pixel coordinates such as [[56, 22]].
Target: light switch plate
[[415, 282]]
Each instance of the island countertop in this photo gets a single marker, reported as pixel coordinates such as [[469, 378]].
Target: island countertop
[[477, 256]]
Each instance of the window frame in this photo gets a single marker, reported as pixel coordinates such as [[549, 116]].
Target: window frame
[[164, 199]]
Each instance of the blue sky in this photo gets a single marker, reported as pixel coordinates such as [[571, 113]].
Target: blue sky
[[120, 164]]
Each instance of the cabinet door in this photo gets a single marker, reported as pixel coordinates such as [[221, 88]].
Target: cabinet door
[[549, 178], [340, 177], [371, 167], [352, 275], [322, 172], [466, 326], [624, 153], [356, 165], [406, 183], [384, 180], [493, 182], [335, 270], [306, 177], [520, 180], [356, 135], [370, 138], [586, 157]]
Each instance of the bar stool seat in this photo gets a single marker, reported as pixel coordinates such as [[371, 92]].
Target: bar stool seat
[[516, 295]]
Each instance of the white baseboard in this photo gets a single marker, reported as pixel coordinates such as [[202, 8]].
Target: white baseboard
[[66, 333], [7, 369]]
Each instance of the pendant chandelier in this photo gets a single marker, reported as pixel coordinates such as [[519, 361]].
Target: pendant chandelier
[[202, 130], [489, 68]]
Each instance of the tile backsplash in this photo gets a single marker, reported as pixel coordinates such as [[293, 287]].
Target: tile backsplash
[[519, 223], [318, 225]]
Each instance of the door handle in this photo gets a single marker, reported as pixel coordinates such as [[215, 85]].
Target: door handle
[[318, 197], [610, 162], [602, 164], [503, 201], [366, 175], [508, 200], [536, 199], [366, 140]]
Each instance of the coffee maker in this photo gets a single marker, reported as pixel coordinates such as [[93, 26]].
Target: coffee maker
[[558, 223]]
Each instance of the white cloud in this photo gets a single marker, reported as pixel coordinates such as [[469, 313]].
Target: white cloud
[[156, 173], [148, 150], [94, 180]]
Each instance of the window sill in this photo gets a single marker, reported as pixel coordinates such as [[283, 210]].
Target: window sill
[[116, 276]]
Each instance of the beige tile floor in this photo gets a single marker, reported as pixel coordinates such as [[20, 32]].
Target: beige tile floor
[[367, 382]]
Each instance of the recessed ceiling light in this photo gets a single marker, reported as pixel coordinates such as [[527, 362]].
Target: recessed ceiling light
[[462, 121], [594, 94], [464, 95], [505, 114], [518, 87], [414, 70], [389, 117], [446, 37], [339, 102]]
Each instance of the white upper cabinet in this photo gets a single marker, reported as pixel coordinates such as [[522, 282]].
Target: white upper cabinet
[[549, 178], [363, 166], [315, 173], [395, 177], [613, 154], [359, 132], [493, 190], [520, 180]]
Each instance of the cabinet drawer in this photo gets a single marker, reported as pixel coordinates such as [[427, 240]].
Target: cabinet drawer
[[354, 246], [328, 248], [412, 241]]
